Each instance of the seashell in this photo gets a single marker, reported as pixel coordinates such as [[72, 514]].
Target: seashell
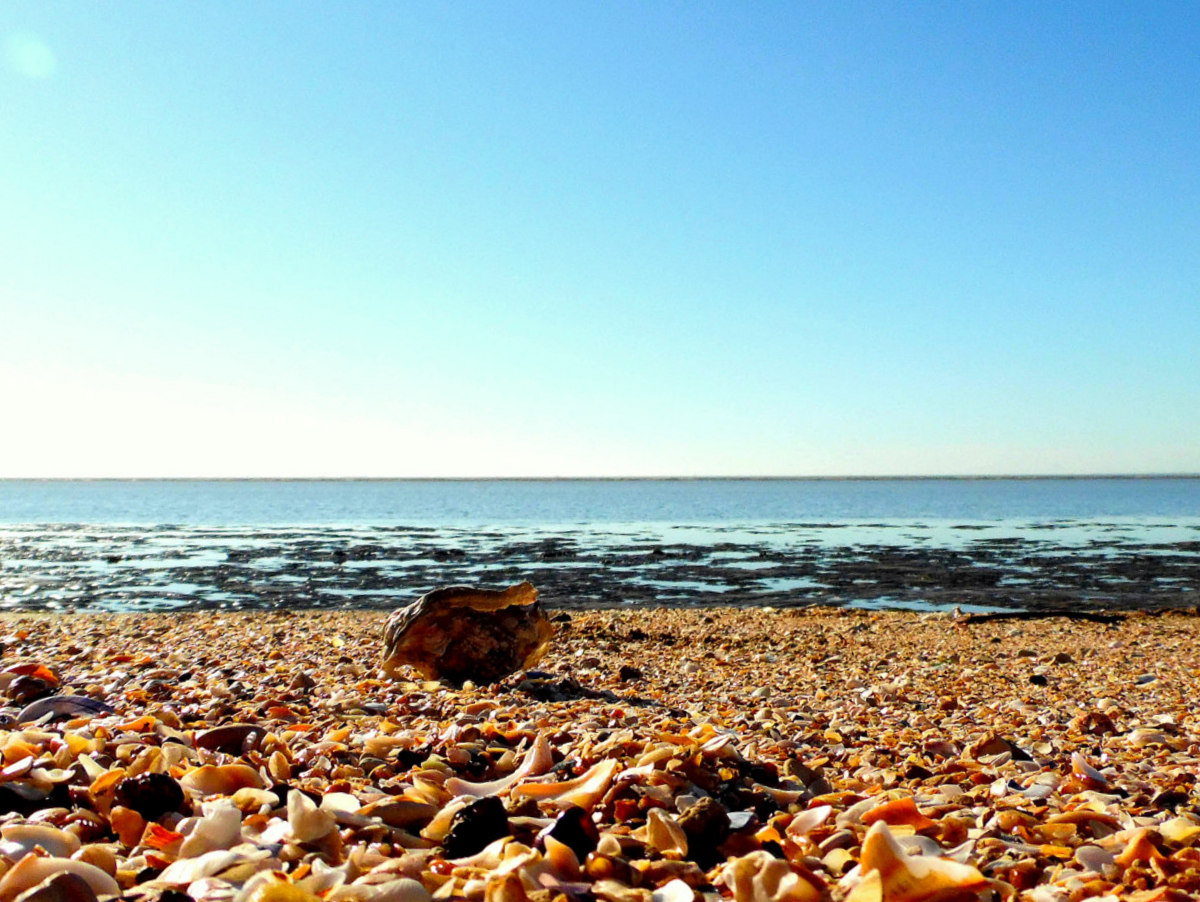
[[1094, 858], [437, 828], [888, 872], [460, 633], [99, 854], [63, 707], [226, 738], [127, 824], [223, 779], [853, 815], [1139, 847], [340, 802], [60, 888], [673, 891], [563, 859], [761, 877], [212, 889], [537, 761], [807, 821], [405, 889], [307, 822], [34, 868], [664, 834], [249, 800], [584, 791], [898, 812], [221, 828], [21, 839], [505, 887], [271, 889], [189, 870], [400, 812], [1181, 830], [920, 845], [1082, 768], [1142, 737]]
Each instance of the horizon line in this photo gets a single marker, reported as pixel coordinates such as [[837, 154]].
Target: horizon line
[[700, 478]]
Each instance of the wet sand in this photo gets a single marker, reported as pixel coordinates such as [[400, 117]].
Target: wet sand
[[1045, 566], [713, 753]]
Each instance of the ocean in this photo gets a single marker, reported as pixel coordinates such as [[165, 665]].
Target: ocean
[[925, 544]]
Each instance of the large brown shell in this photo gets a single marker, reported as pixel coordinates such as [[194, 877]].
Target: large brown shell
[[460, 633]]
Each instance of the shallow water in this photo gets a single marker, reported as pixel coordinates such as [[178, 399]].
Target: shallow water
[[1012, 565], [924, 544]]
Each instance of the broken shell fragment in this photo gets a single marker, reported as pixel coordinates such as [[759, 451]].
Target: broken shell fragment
[[537, 761], [307, 822], [63, 707], [664, 835], [893, 875], [461, 633], [584, 791], [761, 877], [224, 779]]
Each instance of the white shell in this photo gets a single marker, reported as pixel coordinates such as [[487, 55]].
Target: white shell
[[220, 829], [33, 869], [21, 839], [673, 891], [308, 822]]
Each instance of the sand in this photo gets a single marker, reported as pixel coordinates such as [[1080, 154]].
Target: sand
[[1046, 759]]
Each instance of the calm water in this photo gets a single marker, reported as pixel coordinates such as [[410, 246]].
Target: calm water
[[565, 502]]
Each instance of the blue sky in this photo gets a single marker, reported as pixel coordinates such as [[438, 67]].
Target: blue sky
[[378, 239]]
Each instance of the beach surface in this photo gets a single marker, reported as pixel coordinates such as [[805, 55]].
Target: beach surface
[[654, 755]]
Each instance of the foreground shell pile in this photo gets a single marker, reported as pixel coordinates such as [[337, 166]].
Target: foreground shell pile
[[662, 756]]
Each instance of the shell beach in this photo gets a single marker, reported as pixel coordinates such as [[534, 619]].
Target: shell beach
[[653, 755]]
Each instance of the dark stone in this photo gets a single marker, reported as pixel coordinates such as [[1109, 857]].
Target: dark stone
[[917, 772], [574, 829], [26, 689], [1038, 679], [150, 795], [482, 822], [1169, 799], [281, 791], [706, 824], [22, 799], [229, 738]]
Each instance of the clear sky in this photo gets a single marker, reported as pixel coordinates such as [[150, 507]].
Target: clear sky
[[383, 239]]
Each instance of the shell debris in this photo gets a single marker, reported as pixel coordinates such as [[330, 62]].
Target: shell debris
[[807, 755]]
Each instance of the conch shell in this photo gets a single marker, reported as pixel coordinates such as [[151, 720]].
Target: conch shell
[[461, 633]]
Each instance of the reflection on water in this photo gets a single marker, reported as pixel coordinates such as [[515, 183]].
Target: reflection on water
[[1136, 562]]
